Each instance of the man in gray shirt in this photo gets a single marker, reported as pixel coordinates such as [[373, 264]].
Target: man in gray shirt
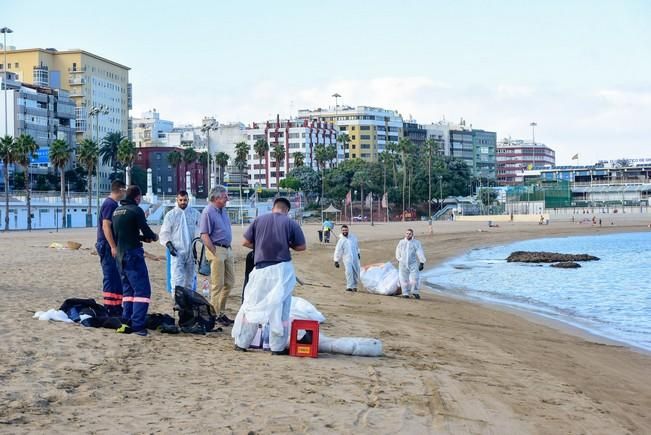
[[216, 235]]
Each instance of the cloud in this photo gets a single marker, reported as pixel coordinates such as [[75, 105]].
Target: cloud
[[596, 123]]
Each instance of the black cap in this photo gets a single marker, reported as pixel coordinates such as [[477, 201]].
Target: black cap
[[284, 201]]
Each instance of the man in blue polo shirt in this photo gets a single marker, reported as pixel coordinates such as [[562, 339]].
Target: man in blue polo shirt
[[216, 235], [107, 250]]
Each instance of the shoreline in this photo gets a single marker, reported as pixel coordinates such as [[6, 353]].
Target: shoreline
[[564, 323], [450, 366]]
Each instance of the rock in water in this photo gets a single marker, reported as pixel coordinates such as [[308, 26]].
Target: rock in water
[[566, 265], [547, 257]]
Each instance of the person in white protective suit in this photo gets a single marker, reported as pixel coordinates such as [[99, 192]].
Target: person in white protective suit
[[268, 294], [411, 261], [177, 232], [347, 250]]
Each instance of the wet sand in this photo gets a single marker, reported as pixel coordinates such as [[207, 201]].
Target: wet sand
[[450, 366]]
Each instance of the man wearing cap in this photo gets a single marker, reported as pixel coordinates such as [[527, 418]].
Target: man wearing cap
[[216, 235], [268, 294]]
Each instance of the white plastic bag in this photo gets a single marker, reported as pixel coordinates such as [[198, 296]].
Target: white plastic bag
[[380, 278], [357, 346], [302, 309]]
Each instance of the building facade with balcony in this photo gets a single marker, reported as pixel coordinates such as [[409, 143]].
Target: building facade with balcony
[[43, 113], [91, 81], [294, 136], [149, 130], [516, 156], [476, 148], [369, 129]]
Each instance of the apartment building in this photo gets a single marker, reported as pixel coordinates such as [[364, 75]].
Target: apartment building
[[514, 156]]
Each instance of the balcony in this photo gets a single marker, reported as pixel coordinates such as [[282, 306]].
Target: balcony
[[76, 92], [77, 70], [76, 81]]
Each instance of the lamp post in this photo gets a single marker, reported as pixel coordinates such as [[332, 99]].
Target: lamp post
[[533, 126], [440, 192], [206, 128], [94, 112], [4, 32], [336, 96]]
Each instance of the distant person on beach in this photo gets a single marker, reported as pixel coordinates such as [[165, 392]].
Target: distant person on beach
[[107, 250], [268, 294], [216, 235], [347, 251], [130, 229], [176, 234], [411, 260]]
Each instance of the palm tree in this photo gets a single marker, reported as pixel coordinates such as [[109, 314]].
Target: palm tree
[[109, 150], [321, 157], [60, 154], [8, 156], [278, 153], [126, 155], [392, 150], [87, 154], [299, 159], [221, 159], [405, 146], [360, 179], [260, 147], [241, 162], [26, 149], [331, 153], [344, 140]]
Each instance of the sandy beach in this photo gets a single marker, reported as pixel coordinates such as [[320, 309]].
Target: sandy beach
[[450, 366]]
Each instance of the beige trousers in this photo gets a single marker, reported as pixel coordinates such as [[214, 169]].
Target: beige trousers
[[222, 276]]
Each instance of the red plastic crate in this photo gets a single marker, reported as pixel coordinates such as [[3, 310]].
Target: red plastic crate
[[300, 349]]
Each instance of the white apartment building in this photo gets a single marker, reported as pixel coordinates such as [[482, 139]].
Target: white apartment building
[[514, 157], [149, 130], [440, 132], [295, 135]]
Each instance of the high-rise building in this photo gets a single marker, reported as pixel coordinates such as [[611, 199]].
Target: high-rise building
[[43, 113], [149, 130], [91, 80], [516, 156], [369, 129], [440, 132], [476, 148]]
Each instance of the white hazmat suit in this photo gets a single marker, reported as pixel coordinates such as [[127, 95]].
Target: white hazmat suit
[[347, 251], [409, 254], [180, 227]]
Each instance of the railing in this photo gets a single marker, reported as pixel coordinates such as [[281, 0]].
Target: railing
[[77, 80], [77, 70]]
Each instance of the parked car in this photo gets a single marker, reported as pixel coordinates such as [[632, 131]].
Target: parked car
[[360, 218]]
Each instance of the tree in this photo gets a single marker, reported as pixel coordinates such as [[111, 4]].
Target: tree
[[360, 179], [60, 154], [174, 158], [299, 159], [261, 147], [189, 156], [344, 140], [26, 149], [308, 179], [278, 153], [8, 156], [221, 159], [406, 148], [126, 155], [331, 154], [87, 154], [242, 161], [109, 151]]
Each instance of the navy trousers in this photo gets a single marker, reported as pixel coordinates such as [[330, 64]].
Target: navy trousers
[[112, 283], [136, 289]]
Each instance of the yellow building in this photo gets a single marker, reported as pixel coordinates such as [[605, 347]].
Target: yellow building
[[92, 82], [369, 129]]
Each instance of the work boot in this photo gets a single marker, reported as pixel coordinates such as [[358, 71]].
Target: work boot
[[354, 289], [280, 352], [142, 333], [405, 296], [349, 289], [239, 349], [416, 296]]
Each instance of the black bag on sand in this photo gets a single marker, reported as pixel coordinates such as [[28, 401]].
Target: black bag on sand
[[156, 320], [193, 309]]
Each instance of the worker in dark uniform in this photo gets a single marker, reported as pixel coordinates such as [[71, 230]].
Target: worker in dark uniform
[[130, 230]]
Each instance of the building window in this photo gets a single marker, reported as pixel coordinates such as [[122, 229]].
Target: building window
[[364, 127], [169, 178], [16, 64], [365, 137]]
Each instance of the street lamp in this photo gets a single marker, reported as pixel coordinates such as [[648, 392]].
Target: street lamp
[[94, 112], [440, 192], [533, 141], [4, 32]]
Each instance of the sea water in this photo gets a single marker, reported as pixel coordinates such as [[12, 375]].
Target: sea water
[[610, 297]]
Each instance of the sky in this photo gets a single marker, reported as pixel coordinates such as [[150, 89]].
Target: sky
[[580, 69]]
